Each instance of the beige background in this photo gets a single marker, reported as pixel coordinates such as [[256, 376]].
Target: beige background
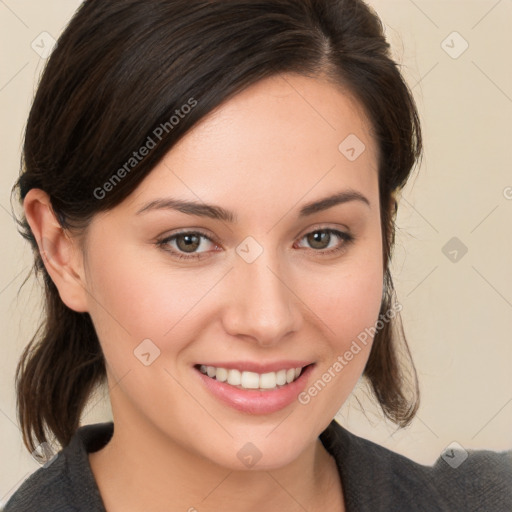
[[457, 315]]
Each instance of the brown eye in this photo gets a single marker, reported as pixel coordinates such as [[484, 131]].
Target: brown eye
[[188, 242], [319, 239]]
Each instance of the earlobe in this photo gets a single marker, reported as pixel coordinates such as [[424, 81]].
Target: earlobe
[[61, 256]]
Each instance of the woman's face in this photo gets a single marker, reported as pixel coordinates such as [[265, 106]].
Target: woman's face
[[255, 284]]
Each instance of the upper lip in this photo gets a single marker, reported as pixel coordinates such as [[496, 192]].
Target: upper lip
[[252, 366]]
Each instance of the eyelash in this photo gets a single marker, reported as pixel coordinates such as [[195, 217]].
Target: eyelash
[[346, 237]]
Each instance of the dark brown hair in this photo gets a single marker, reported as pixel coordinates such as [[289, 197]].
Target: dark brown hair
[[122, 68]]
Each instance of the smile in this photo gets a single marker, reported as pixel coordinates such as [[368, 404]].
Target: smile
[[252, 380], [255, 388]]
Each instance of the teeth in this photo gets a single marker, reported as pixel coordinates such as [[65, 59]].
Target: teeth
[[252, 380], [234, 377], [222, 374], [268, 380], [281, 377]]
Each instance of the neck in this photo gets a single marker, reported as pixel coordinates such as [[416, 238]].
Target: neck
[[160, 473]]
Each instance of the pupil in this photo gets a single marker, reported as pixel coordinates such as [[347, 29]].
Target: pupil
[[190, 242], [318, 236]]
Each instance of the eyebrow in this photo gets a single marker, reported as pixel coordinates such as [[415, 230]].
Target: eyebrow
[[217, 212]]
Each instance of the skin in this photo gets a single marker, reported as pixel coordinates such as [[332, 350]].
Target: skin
[[263, 155]]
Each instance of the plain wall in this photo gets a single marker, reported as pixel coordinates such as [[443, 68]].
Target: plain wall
[[457, 315]]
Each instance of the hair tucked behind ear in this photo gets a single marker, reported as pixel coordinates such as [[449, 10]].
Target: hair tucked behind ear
[[57, 371], [122, 69]]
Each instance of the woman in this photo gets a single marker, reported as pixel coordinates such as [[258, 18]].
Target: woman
[[209, 189]]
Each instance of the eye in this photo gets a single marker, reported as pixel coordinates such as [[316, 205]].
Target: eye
[[185, 245], [321, 240]]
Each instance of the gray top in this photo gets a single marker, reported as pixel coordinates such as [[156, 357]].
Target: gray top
[[374, 478]]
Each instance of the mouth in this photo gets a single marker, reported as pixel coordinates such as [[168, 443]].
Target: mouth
[[243, 379], [254, 388]]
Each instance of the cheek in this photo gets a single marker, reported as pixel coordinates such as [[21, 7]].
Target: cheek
[[348, 297], [129, 300], [353, 303], [132, 299], [348, 307]]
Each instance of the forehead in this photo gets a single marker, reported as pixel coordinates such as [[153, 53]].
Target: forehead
[[285, 136]]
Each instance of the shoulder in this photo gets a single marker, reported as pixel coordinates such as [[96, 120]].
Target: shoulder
[[66, 483], [47, 485], [479, 479], [375, 478]]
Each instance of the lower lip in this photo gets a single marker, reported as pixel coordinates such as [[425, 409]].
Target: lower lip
[[253, 401]]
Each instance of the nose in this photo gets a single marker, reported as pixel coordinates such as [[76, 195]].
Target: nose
[[262, 303]]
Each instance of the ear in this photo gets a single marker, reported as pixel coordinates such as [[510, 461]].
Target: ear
[[61, 255]]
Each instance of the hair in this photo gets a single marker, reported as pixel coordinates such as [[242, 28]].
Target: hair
[[123, 68]]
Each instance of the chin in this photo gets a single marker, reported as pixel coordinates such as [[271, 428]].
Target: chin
[[264, 450]]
